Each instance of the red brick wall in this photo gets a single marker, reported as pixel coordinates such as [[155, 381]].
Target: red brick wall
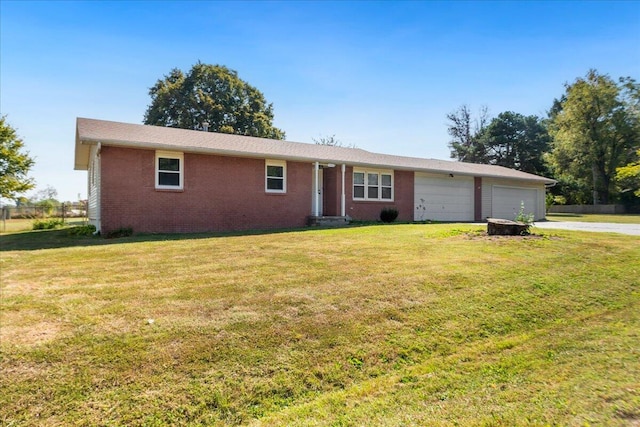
[[370, 211], [220, 194]]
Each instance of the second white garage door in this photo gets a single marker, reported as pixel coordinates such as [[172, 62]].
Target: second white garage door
[[506, 201], [443, 198]]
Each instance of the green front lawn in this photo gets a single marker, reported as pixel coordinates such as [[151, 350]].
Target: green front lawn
[[375, 325]]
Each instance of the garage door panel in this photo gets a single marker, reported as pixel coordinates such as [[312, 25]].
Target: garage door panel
[[506, 201], [443, 199]]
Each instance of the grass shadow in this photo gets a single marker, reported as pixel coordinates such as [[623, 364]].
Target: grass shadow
[[47, 239], [63, 238]]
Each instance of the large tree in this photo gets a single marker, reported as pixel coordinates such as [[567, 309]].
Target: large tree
[[14, 163], [594, 131], [211, 96], [465, 132], [515, 141]]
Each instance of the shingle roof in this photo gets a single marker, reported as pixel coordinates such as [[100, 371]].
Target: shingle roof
[[92, 131]]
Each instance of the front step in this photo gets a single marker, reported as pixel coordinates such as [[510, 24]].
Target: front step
[[328, 221]]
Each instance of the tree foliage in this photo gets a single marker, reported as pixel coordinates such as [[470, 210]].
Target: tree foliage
[[14, 163], [515, 141], [46, 198], [331, 141], [465, 134], [211, 94], [594, 130], [511, 139]]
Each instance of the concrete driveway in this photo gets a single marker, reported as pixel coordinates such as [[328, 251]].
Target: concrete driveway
[[604, 227]]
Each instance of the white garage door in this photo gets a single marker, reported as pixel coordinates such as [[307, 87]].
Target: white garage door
[[506, 201], [443, 199]]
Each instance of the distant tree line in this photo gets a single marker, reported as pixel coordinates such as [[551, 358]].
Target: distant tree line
[[589, 141]]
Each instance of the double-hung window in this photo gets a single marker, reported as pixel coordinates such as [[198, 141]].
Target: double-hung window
[[358, 185], [372, 185], [275, 176], [386, 187], [169, 170]]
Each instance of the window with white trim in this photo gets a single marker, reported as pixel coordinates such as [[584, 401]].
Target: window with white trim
[[372, 185], [169, 170], [275, 176]]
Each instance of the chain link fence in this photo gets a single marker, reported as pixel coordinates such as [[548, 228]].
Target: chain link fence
[[63, 210]]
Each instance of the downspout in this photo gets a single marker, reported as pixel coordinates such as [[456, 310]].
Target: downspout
[[317, 188], [342, 196]]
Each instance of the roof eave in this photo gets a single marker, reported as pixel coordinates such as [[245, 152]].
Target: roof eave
[[82, 153]]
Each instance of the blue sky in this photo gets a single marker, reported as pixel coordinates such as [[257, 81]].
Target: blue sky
[[380, 75]]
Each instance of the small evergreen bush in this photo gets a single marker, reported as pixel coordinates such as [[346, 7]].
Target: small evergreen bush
[[47, 224], [83, 230], [388, 214]]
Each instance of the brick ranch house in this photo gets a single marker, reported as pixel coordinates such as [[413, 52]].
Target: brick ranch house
[[164, 180]]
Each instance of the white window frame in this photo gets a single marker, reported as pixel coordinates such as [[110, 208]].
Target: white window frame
[[170, 155], [366, 173], [278, 163]]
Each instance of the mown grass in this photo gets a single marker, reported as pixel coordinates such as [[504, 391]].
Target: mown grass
[[10, 226], [377, 325], [617, 218]]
